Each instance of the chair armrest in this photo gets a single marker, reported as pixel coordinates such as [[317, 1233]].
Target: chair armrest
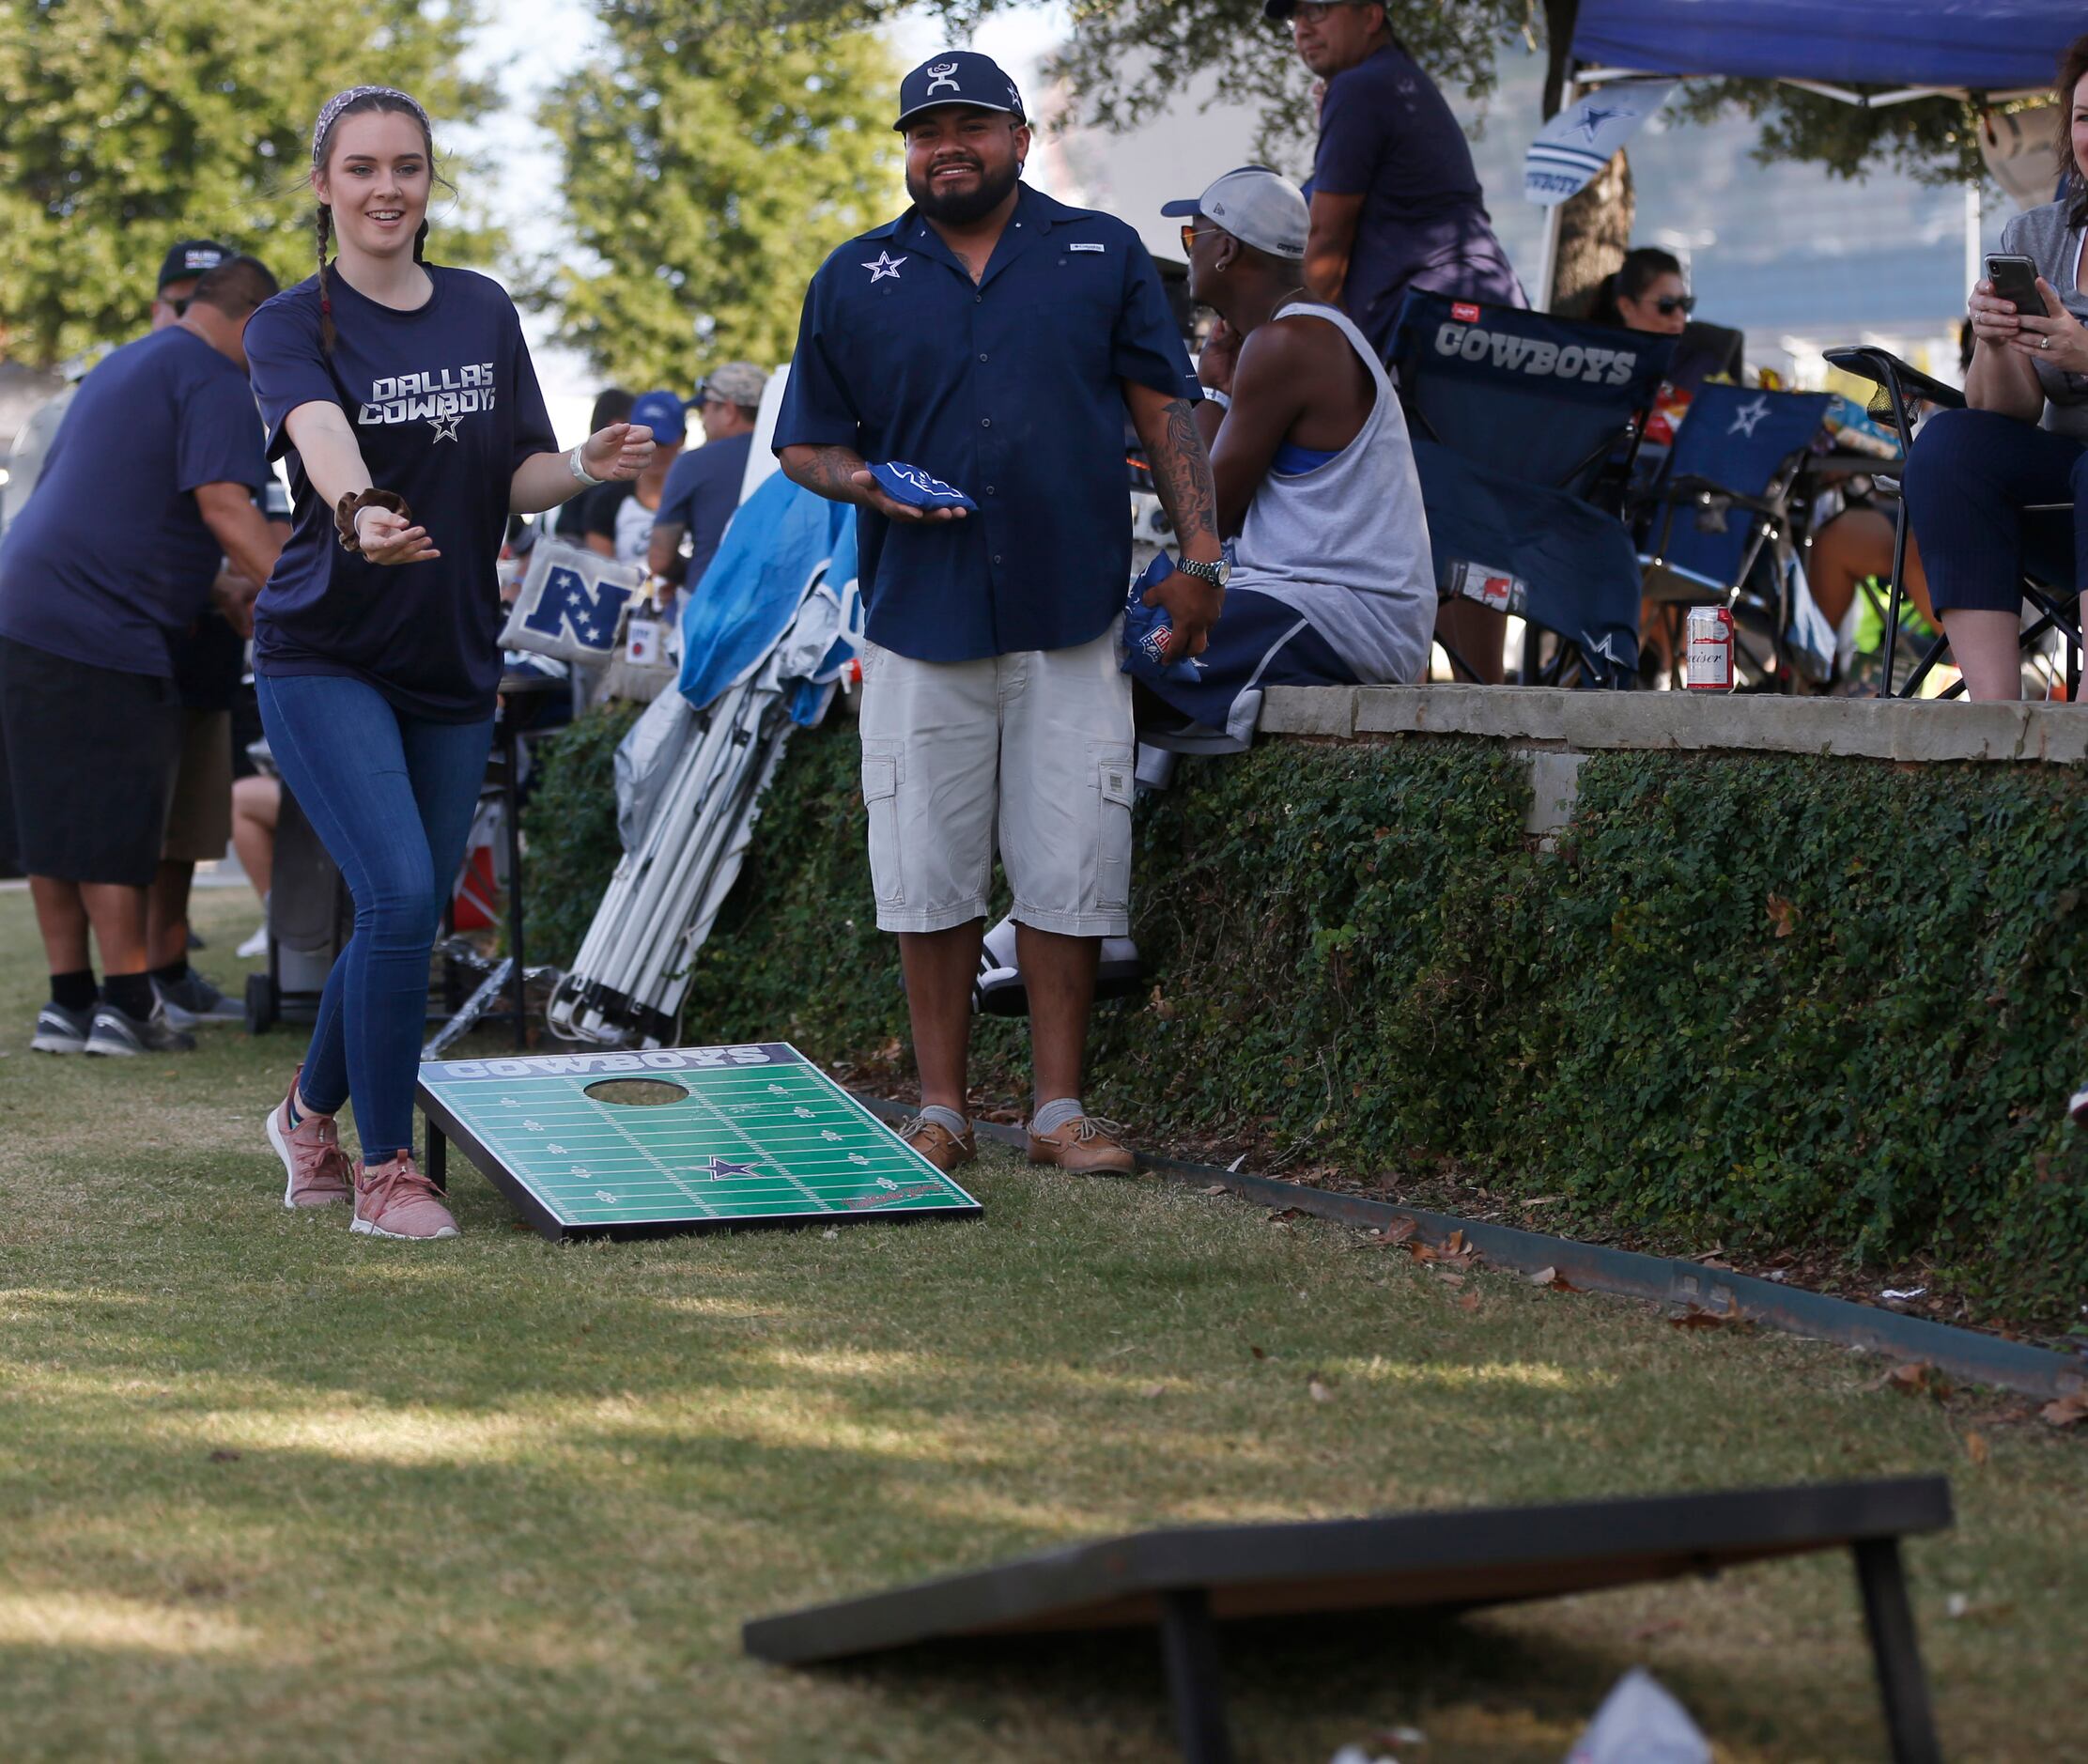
[[1691, 484], [1882, 368]]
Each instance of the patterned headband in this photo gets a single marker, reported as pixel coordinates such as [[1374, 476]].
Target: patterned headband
[[331, 112]]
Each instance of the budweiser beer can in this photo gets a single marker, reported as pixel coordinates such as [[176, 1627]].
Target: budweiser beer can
[[1710, 650]]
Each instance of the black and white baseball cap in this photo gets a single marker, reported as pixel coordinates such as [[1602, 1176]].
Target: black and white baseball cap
[[190, 258], [1257, 207], [958, 76]]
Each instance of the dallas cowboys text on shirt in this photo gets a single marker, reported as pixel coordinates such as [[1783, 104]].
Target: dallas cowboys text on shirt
[[436, 393]]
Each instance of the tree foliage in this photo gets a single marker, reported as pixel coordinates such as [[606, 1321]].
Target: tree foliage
[[126, 125], [709, 164]]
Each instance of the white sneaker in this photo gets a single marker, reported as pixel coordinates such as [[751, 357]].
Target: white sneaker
[[259, 943]]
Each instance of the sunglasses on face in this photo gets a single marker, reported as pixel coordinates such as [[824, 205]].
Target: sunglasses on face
[[1189, 237], [1671, 304]]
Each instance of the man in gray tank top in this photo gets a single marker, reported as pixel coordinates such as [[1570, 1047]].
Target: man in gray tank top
[[1332, 582]]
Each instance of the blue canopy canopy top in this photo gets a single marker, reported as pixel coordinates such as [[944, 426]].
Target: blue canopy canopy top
[[1913, 48]]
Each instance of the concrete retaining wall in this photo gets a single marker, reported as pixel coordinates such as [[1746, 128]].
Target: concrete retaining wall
[[1558, 727]]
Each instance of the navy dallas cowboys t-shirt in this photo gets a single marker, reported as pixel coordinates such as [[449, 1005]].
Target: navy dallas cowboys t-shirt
[[444, 405]]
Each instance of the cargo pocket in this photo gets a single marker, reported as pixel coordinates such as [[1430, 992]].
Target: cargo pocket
[[881, 797], [1113, 779]]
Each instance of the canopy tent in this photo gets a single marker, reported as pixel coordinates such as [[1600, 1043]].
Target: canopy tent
[[1990, 46]]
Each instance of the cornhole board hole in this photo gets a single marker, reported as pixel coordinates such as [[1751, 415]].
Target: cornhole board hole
[[677, 1140], [1184, 1582]]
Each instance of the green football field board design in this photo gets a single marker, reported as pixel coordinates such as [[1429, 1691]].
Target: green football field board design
[[762, 1136]]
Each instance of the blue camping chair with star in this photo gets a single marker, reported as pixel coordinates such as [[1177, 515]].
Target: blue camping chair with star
[[1718, 528], [1525, 430]]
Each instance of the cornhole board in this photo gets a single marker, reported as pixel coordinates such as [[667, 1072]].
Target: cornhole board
[[760, 1137], [1183, 1582]]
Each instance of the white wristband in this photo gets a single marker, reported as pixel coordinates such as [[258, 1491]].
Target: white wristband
[[1222, 399], [579, 472]]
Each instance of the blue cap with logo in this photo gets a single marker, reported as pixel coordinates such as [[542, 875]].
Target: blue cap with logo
[[661, 413], [957, 76]]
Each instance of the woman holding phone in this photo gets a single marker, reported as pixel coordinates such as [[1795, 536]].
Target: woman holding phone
[[1974, 476], [402, 393]]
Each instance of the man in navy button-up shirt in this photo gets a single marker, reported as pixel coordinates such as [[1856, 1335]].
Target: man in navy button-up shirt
[[995, 339]]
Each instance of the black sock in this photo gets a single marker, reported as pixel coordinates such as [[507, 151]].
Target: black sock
[[74, 991], [174, 973], [132, 994]]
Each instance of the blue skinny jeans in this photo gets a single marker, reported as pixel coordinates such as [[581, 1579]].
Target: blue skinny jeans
[[391, 797], [1970, 481]]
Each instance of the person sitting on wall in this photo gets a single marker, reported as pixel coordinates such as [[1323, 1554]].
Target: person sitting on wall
[[1333, 583]]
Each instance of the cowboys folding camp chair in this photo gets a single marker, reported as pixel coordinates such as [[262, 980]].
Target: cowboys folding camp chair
[[1524, 428], [2055, 604], [1717, 527]]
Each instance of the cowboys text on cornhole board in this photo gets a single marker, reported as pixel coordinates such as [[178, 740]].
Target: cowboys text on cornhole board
[[679, 1140]]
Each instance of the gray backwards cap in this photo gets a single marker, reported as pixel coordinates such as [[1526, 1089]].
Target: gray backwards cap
[[330, 112]]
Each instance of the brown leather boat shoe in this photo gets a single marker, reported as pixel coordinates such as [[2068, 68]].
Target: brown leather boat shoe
[[1086, 1145], [945, 1150]]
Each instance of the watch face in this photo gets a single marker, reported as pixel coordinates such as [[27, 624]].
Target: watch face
[[1225, 571]]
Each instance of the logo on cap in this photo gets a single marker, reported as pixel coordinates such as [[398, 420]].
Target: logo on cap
[[941, 74]]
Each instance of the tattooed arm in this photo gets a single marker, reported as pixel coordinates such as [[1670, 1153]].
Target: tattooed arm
[[841, 474], [1181, 474]]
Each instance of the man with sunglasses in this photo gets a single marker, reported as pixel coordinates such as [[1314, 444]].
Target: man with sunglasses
[[183, 265], [703, 486], [1396, 199]]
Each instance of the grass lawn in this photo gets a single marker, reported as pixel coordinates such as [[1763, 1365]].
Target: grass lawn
[[269, 1492]]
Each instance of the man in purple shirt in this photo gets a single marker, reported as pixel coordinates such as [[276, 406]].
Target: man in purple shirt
[[1396, 200]]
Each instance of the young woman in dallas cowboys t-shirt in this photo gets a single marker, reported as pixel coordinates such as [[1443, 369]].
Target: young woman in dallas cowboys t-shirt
[[403, 394]]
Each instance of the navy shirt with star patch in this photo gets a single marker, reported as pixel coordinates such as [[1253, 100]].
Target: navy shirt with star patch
[[1011, 390], [444, 405]]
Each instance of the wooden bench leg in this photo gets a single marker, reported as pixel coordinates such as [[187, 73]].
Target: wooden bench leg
[[1889, 1618], [1189, 1644]]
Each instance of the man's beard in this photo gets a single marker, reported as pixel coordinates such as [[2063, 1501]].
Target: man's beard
[[962, 207]]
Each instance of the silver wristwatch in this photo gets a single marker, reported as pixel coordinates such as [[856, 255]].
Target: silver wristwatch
[[1217, 574]]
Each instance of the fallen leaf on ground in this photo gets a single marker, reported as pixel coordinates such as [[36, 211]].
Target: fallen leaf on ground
[[1214, 1188], [1448, 1278], [1916, 1378], [1153, 1390], [831, 1231], [1398, 1232], [1552, 1281], [1976, 1448], [1469, 1302], [1283, 1215], [1255, 1352], [1783, 915], [1320, 1389], [2066, 1411], [223, 1456], [1696, 1317]]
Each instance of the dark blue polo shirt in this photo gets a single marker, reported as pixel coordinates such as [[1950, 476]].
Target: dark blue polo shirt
[[1011, 390]]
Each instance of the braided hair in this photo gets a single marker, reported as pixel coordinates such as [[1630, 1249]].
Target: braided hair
[[357, 101]]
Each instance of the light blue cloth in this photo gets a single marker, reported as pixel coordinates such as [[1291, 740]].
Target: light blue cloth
[[751, 593]]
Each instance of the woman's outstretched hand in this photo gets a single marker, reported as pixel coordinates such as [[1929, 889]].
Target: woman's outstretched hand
[[389, 539], [620, 452]]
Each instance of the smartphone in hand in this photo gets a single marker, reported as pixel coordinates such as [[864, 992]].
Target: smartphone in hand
[[2015, 280]]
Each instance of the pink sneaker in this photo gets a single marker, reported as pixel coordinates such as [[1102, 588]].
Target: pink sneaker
[[317, 1171], [394, 1200]]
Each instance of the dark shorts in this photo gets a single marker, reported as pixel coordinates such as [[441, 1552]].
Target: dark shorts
[[1259, 641], [87, 764]]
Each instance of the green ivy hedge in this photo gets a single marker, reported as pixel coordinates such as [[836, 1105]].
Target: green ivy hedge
[[1797, 1002]]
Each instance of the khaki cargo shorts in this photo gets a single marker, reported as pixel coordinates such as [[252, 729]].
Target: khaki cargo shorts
[[1036, 745]]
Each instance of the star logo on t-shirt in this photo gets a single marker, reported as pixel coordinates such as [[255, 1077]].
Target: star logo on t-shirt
[[884, 264], [444, 426]]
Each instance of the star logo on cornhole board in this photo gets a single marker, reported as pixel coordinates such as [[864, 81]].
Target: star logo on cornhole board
[[719, 1169]]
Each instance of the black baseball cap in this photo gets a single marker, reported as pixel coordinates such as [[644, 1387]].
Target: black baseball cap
[[190, 258], [958, 76]]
